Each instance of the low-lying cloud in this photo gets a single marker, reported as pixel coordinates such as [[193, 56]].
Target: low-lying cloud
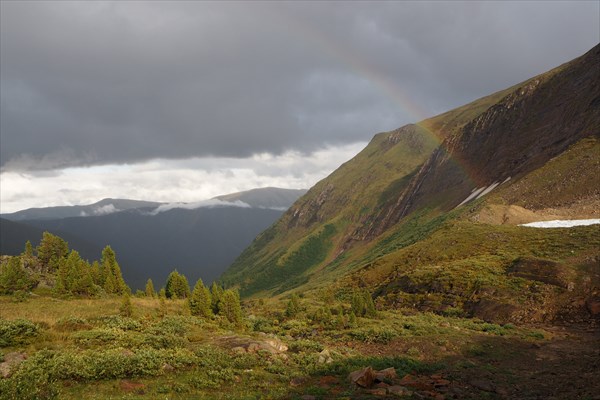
[[210, 203]]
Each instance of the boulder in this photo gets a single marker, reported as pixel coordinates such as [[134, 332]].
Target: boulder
[[325, 357], [385, 374], [363, 378], [593, 306], [11, 360]]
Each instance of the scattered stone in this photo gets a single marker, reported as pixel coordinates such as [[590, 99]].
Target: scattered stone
[[593, 306], [167, 367], [363, 378], [253, 347], [388, 373], [397, 390], [484, 385], [238, 349], [277, 344], [325, 357], [422, 383], [378, 391], [11, 360]]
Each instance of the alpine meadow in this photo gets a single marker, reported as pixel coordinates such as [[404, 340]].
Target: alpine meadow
[[456, 257]]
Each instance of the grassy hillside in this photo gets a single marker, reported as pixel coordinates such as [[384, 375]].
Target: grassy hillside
[[347, 199], [401, 187]]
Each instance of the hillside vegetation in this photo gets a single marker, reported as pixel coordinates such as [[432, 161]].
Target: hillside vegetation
[[534, 146], [403, 275]]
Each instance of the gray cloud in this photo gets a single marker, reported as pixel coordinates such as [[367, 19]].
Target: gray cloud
[[91, 83]]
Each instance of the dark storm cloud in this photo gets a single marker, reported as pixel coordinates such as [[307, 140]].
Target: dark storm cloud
[[94, 83]]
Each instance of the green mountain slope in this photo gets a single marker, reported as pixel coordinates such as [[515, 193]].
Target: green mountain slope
[[362, 224]]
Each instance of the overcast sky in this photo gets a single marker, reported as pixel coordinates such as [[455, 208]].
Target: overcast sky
[[181, 101]]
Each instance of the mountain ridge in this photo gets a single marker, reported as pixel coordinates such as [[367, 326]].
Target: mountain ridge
[[403, 187]]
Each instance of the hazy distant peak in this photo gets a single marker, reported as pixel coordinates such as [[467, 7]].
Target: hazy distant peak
[[268, 197]]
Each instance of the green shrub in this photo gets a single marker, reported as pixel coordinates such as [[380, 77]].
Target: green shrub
[[31, 380], [373, 335], [19, 331], [71, 324], [305, 345], [172, 324], [119, 322]]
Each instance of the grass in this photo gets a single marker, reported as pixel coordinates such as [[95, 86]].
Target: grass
[[82, 349]]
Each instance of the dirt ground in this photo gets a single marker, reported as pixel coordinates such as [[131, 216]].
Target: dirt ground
[[565, 366]]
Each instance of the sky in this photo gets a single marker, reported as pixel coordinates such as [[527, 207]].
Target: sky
[[182, 101]]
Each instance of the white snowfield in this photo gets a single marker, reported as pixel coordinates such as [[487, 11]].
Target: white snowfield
[[563, 223]]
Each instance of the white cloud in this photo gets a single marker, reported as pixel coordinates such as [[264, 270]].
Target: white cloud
[[107, 209], [172, 181], [200, 204]]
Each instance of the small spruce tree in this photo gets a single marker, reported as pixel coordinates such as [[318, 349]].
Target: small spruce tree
[[293, 306], [13, 277], [230, 307], [111, 273], [126, 308], [370, 311], [216, 295], [150, 289], [177, 286], [200, 301]]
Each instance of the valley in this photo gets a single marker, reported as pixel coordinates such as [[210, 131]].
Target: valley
[[407, 273]]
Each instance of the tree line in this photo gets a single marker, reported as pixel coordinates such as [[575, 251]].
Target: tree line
[[72, 275]]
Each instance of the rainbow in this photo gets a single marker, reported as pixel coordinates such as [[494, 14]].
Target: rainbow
[[366, 70]]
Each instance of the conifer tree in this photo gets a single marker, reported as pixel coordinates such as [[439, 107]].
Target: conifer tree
[[293, 306], [230, 307], [162, 305], [216, 294], [370, 311], [13, 277], [111, 273], [358, 304], [126, 308], [28, 252], [51, 250], [200, 302], [177, 286], [150, 289]]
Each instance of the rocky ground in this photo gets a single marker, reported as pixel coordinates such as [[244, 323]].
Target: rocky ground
[[564, 366]]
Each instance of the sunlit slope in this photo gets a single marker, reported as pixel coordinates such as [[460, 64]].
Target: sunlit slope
[[403, 186], [336, 208]]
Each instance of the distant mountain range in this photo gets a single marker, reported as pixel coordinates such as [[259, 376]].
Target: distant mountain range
[[103, 207], [151, 239]]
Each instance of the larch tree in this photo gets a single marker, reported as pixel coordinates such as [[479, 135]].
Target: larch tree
[[200, 301], [230, 307], [150, 289], [112, 278]]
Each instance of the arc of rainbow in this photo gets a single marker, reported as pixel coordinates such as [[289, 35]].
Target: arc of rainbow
[[364, 69]]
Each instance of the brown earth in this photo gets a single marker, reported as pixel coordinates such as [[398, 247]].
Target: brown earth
[[497, 214], [564, 366]]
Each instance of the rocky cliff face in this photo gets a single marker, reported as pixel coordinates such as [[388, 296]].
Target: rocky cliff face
[[515, 136]]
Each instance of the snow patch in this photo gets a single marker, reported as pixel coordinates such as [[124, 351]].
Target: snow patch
[[473, 194], [200, 204], [563, 223], [480, 192]]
